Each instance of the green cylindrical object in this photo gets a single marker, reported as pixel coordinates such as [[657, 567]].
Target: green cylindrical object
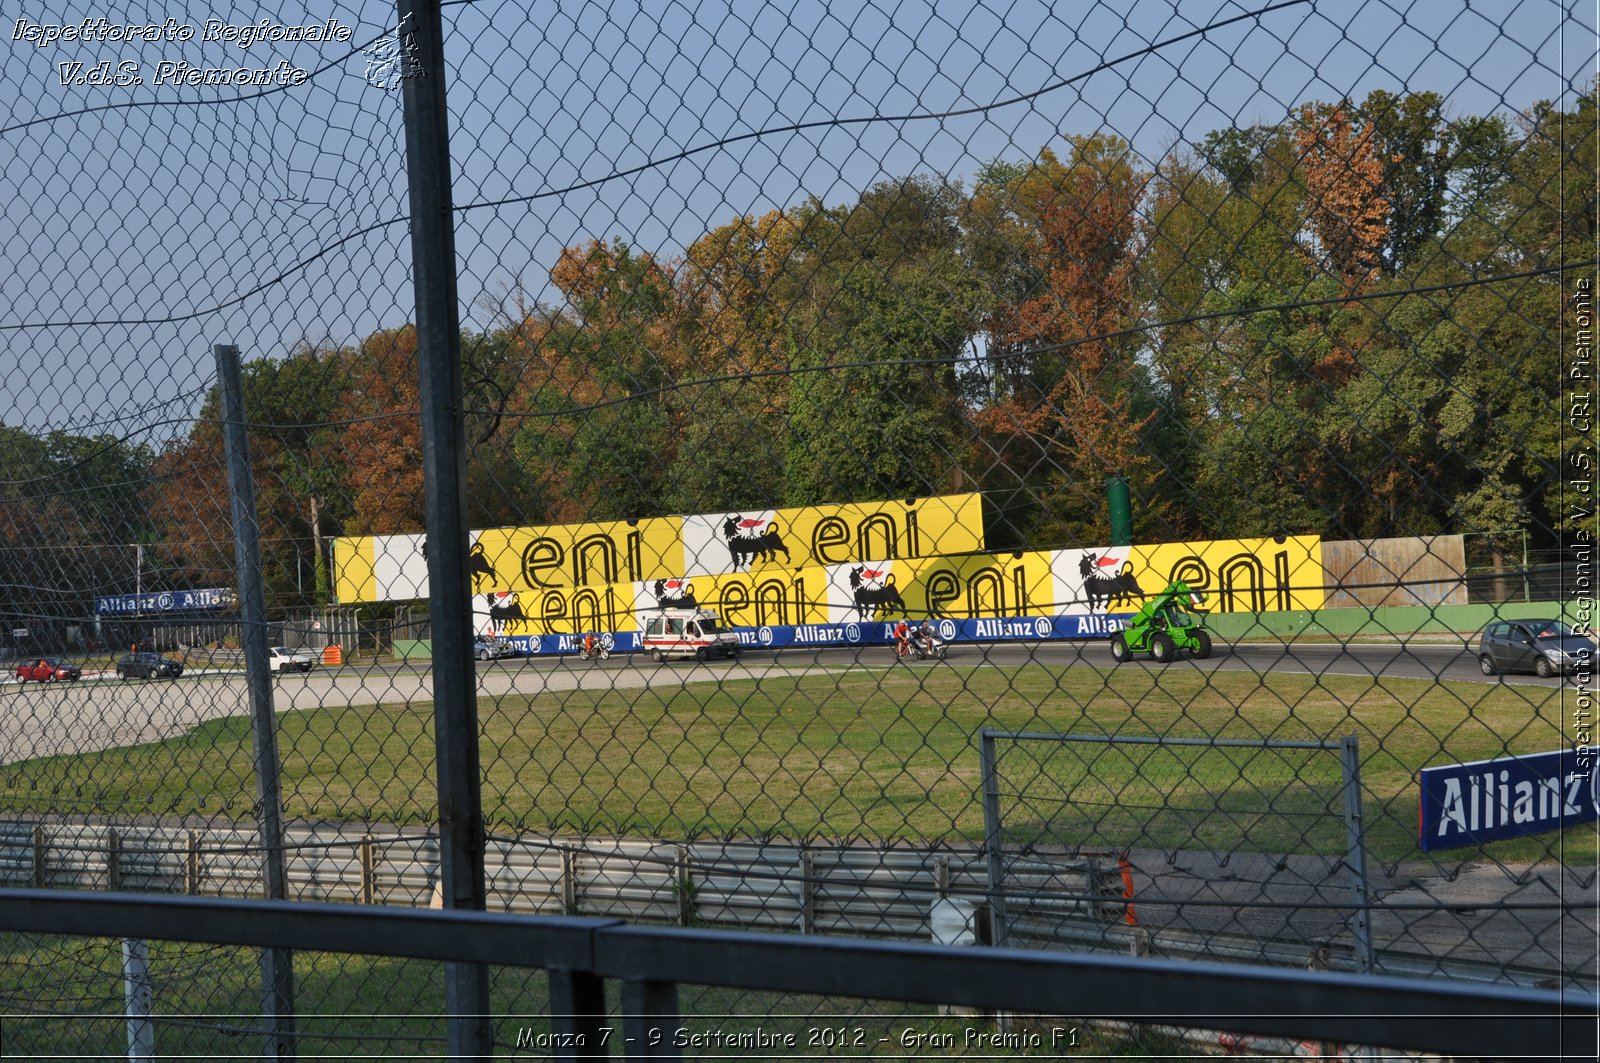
[[1121, 511]]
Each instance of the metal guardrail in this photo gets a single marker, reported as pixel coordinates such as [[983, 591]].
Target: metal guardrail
[[582, 953], [773, 886], [1068, 903]]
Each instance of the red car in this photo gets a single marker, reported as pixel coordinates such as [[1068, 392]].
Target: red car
[[48, 670]]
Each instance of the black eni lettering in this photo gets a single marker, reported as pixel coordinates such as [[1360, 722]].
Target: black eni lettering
[[943, 588], [884, 524], [635, 550], [1280, 573], [772, 602], [1192, 571], [541, 555], [877, 537], [735, 599], [552, 607], [829, 533], [1254, 575], [587, 612], [583, 552], [991, 578]]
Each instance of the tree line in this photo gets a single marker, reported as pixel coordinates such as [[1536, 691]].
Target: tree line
[[1340, 323]]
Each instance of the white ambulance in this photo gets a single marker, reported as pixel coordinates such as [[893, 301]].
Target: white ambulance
[[695, 633]]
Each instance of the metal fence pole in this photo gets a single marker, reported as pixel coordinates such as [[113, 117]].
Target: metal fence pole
[[138, 998], [1350, 757], [650, 1018], [444, 448], [991, 837], [277, 965]]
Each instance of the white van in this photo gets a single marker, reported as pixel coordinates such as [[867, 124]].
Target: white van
[[693, 633], [286, 660]]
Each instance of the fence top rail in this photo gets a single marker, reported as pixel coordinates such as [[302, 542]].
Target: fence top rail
[[378, 930], [1157, 740], [1392, 1012]]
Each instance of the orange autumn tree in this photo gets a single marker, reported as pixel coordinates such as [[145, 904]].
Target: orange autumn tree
[[735, 308], [1073, 399], [733, 296], [613, 354], [551, 384], [1346, 206], [383, 437], [299, 473], [1347, 212]]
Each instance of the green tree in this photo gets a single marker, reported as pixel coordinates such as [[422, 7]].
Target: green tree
[[734, 301], [730, 449], [70, 507], [885, 305], [1414, 146], [1246, 374], [294, 405], [1552, 212], [617, 350]]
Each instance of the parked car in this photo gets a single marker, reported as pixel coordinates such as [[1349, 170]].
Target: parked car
[[286, 660], [1544, 647], [148, 666], [48, 670], [485, 649]]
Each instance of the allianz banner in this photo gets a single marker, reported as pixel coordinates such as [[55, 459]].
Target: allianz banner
[[560, 560], [1489, 800], [850, 633]]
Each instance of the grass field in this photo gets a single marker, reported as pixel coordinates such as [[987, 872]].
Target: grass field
[[207, 1006], [866, 754]]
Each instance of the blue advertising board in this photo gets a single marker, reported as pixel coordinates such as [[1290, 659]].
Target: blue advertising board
[[166, 601], [868, 633], [1509, 797]]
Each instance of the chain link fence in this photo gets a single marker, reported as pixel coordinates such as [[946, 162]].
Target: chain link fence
[[1056, 334]]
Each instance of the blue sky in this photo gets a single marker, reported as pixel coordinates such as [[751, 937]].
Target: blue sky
[[142, 223]]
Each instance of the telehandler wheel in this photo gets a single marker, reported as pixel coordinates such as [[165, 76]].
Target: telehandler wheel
[[1119, 648], [1162, 648], [1203, 650]]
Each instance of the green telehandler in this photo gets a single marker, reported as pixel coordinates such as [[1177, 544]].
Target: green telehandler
[[1163, 626]]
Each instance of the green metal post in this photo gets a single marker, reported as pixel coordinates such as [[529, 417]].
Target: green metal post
[[1121, 511]]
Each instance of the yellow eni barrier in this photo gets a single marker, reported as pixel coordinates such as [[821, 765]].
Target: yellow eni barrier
[[559, 562]]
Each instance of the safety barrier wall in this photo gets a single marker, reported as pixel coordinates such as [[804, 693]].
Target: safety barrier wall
[[857, 889]]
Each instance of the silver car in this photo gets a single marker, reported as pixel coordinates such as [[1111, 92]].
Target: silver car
[[1543, 647], [487, 649]]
